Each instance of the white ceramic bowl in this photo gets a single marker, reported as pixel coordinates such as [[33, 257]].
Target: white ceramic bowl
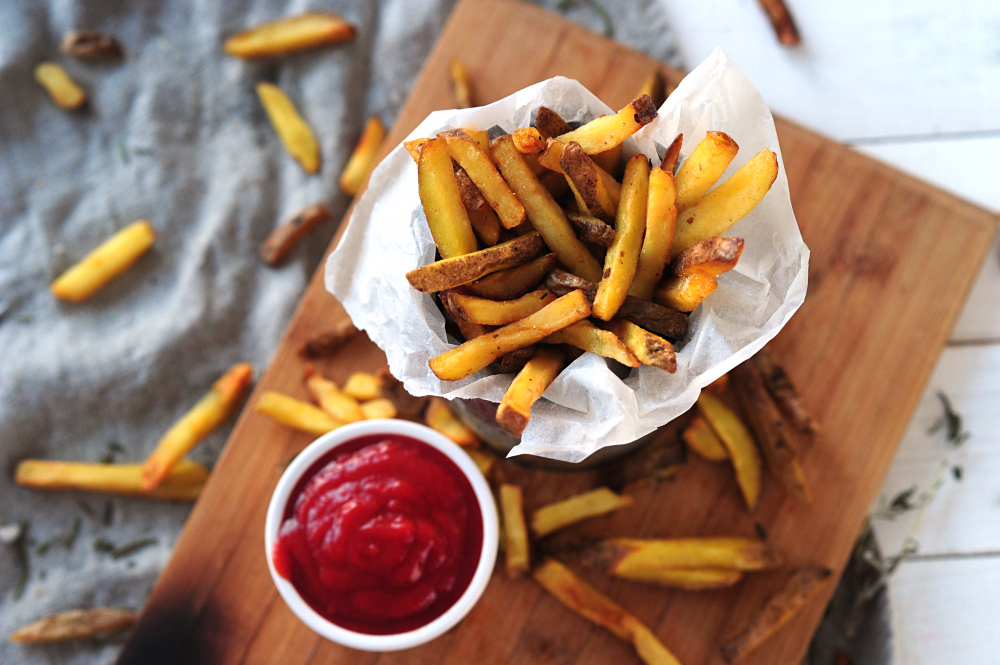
[[451, 616]]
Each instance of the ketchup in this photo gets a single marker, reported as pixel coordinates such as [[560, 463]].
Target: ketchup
[[381, 535]]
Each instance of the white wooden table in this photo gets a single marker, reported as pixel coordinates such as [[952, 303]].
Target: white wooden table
[[916, 85]]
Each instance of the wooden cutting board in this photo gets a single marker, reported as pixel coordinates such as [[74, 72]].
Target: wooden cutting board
[[892, 260]]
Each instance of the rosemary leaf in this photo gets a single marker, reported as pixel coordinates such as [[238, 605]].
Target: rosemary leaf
[[133, 547]]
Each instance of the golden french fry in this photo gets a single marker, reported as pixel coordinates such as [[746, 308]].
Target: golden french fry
[[626, 557], [75, 625], [739, 444], [783, 391], [649, 349], [551, 159], [542, 210], [560, 514], [442, 202], [777, 11], [484, 461], [622, 258], [477, 163], [291, 34], [594, 606], [110, 259], [514, 529], [606, 132], [468, 329], [363, 386], [513, 282], [413, 147], [587, 184], [703, 168], [460, 88], [609, 160], [592, 230], [285, 237], [701, 438], [293, 131], [361, 161], [209, 413], [480, 136], [330, 398], [672, 153], [684, 294], [527, 387], [588, 337], [486, 225], [439, 416], [690, 579], [661, 222], [63, 90], [496, 313], [475, 354], [183, 483], [728, 203], [328, 342], [379, 408], [654, 87], [459, 270], [713, 256], [550, 124], [295, 413], [528, 141]]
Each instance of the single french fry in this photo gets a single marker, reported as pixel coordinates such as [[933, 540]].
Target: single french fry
[[379, 408], [439, 416], [330, 398], [110, 259], [587, 183], [592, 230], [669, 162], [475, 354], [684, 294], [90, 45], [626, 557], [480, 136], [468, 329], [497, 313], [513, 282], [543, 211], [293, 131], [649, 349], [442, 202], [288, 35], [486, 225], [63, 90], [361, 161], [472, 198], [588, 337], [550, 124], [363, 386], [527, 387], [460, 88], [777, 611], [609, 160], [528, 141], [777, 11], [459, 270], [413, 147], [183, 482], [551, 159], [328, 342], [654, 87], [703, 168], [713, 256], [560, 514], [515, 530], [661, 224], [781, 388], [622, 258], [728, 203], [689, 579], [594, 606], [606, 132], [209, 413], [295, 413], [701, 438], [477, 163], [484, 461], [285, 237], [75, 625], [739, 444]]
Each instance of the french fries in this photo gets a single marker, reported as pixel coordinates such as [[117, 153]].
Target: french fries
[[472, 198], [649, 349], [527, 387], [110, 259], [327, 343], [550, 124], [672, 154], [493, 313], [515, 530], [560, 514], [484, 461], [703, 168], [777, 11], [209, 413], [379, 408], [61, 88], [442, 203], [515, 361], [288, 35], [285, 237], [459, 270], [654, 87], [330, 398], [661, 224], [684, 294], [738, 442], [542, 210], [700, 438], [477, 163], [468, 329], [439, 417], [587, 184], [486, 225], [75, 625], [460, 88], [90, 45], [295, 413], [592, 230], [588, 337], [632, 557], [513, 282], [728, 203], [594, 606], [407, 406], [551, 158], [622, 258], [293, 131], [784, 393], [528, 140], [475, 354], [610, 160], [183, 482], [776, 612], [695, 271], [363, 386], [361, 161], [605, 133], [689, 579]]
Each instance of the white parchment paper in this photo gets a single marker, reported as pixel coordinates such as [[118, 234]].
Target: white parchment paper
[[587, 407]]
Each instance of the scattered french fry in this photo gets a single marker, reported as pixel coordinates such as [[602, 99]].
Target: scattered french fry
[[496, 313], [293, 131], [588, 337], [528, 140], [587, 184], [592, 230], [76, 625], [63, 90], [739, 444], [363, 386], [607, 132], [361, 161], [689, 579], [460, 88], [439, 417], [442, 202], [781, 388], [777, 11], [477, 163], [183, 483], [331, 399], [515, 530], [285, 237], [649, 349], [703, 168], [550, 124], [561, 514], [527, 387], [513, 282], [295, 413], [288, 35], [328, 342], [661, 224], [459, 270], [630, 557], [209, 413], [701, 438], [110, 259], [90, 44], [379, 408]]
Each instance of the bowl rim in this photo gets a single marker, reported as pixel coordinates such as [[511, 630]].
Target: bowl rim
[[487, 556]]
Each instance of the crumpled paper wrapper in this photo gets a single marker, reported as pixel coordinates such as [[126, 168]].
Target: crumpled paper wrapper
[[588, 406]]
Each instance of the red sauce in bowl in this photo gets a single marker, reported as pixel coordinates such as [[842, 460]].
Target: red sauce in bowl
[[381, 535]]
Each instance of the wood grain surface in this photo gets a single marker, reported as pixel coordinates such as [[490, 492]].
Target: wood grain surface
[[892, 260]]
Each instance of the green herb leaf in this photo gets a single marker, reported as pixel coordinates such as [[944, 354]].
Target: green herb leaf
[[122, 151], [102, 544], [86, 508], [133, 547], [20, 547]]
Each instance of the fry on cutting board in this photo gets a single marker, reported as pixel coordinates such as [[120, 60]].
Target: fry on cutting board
[[515, 530], [460, 88], [363, 386], [75, 625], [361, 161], [330, 398], [291, 34], [110, 259], [63, 90], [560, 514], [702, 439], [285, 237], [527, 387], [781, 388], [739, 444], [627, 556], [204, 417], [439, 417], [295, 413], [328, 342], [658, 460], [293, 131], [183, 482]]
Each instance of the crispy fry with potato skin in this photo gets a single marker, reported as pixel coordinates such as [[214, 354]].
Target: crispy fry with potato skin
[[468, 329], [784, 393], [442, 202], [622, 259], [379, 408], [63, 90], [703, 168], [515, 530], [592, 230], [560, 514], [75, 625], [542, 210], [739, 444], [110, 259], [285, 237], [477, 163], [672, 153], [293, 131], [690, 579], [496, 313], [625, 557], [439, 417], [551, 159], [183, 482], [328, 395], [695, 271], [514, 362], [528, 141], [472, 198], [449, 273], [588, 337], [648, 348], [460, 88], [295, 413], [413, 147], [777, 611], [550, 124], [209, 413], [475, 354], [782, 21], [288, 35], [513, 282], [586, 182], [363, 386], [661, 224], [328, 342], [701, 438], [607, 132], [684, 294], [654, 87], [361, 161], [527, 387]]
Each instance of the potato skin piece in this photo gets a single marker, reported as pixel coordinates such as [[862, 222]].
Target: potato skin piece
[[550, 124], [513, 282], [592, 230], [582, 170], [713, 256], [449, 273]]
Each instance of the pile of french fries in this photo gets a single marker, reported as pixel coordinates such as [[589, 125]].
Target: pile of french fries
[[550, 246]]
